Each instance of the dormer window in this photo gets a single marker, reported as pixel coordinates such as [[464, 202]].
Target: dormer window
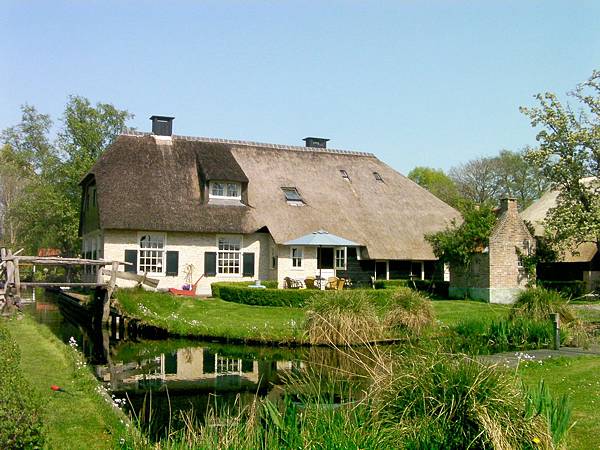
[[377, 176], [344, 174], [226, 190], [292, 196]]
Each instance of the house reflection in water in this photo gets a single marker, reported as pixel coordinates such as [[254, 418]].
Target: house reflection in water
[[195, 368]]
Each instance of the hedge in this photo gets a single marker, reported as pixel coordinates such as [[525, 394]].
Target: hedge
[[438, 288], [216, 287], [234, 292], [241, 293], [569, 289], [20, 417]]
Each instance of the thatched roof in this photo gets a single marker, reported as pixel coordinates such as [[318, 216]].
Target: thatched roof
[[536, 215], [144, 185]]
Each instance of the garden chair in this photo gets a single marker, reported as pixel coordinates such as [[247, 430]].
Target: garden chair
[[292, 284], [309, 282], [332, 283], [340, 284]]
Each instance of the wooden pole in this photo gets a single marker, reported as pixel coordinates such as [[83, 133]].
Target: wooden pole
[[17, 276]]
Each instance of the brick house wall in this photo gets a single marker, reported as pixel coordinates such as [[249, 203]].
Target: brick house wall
[[496, 275]]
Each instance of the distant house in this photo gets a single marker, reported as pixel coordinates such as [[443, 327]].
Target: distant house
[[579, 263], [163, 202], [496, 273]]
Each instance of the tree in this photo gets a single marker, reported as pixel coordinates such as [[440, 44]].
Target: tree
[[457, 244], [47, 211], [436, 182], [568, 154], [486, 180]]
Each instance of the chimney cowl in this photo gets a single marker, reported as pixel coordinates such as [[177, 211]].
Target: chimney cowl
[[162, 125], [315, 142]]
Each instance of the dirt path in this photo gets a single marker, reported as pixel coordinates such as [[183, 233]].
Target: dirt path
[[512, 359]]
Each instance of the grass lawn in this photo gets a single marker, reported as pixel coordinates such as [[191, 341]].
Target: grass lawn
[[451, 312], [214, 317], [78, 419], [579, 378]]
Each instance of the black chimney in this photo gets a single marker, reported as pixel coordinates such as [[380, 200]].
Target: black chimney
[[315, 142], [162, 125]]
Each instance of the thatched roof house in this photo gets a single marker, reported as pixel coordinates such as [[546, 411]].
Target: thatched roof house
[[175, 185], [573, 263]]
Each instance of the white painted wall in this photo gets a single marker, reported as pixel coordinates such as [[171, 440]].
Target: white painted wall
[[285, 268], [191, 248]]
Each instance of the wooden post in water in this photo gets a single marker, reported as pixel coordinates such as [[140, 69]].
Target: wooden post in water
[[109, 291]]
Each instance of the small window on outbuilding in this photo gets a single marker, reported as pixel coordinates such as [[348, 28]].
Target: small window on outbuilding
[[344, 174], [377, 176], [292, 194]]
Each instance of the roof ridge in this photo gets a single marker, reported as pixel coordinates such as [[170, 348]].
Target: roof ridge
[[296, 148]]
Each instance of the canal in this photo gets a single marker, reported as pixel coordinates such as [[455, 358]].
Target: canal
[[160, 380]]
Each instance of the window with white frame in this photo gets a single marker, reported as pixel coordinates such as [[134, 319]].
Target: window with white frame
[[340, 258], [297, 255], [225, 189], [151, 253], [229, 255]]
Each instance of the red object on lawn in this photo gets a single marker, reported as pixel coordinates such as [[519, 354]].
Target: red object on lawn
[[56, 388], [187, 293]]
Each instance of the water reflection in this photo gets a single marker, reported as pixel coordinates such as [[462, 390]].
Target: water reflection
[[163, 378]]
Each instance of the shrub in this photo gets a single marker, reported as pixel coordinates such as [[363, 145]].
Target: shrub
[[484, 337], [408, 310], [238, 293], [215, 287], [568, 289], [435, 287], [391, 284], [342, 317], [538, 303], [451, 401], [20, 418]]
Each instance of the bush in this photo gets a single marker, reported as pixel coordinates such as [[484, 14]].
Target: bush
[[261, 297], [483, 337], [568, 289], [215, 287], [20, 417], [408, 310], [451, 401], [538, 303], [342, 317]]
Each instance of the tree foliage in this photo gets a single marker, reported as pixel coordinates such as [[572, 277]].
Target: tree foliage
[[568, 154], [46, 212], [458, 243], [436, 182], [486, 180]]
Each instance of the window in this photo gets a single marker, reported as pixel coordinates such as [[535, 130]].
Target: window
[[297, 256], [377, 176], [273, 257], [344, 174], [229, 255], [291, 194], [152, 253], [94, 197], [225, 189], [340, 258]]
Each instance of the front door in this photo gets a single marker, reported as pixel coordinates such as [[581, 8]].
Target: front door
[[381, 270]]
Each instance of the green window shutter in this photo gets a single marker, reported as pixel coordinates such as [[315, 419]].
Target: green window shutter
[[172, 264], [131, 257], [248, 267], [210, 264]]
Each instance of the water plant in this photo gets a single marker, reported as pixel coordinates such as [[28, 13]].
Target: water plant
[[537, 303], [342, 317], [408, 310]]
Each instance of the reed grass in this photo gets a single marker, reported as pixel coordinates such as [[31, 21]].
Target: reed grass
[[538, 303], [408, 310]]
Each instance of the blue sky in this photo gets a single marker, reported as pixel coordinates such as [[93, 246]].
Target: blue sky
[[431, 83]]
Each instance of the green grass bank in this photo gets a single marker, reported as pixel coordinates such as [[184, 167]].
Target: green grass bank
[[81, 417], [579, 379]]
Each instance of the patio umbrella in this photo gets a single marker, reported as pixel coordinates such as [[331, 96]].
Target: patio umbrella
[[321, 238]]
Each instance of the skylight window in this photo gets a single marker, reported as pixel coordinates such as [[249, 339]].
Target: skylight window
[[377, 176], [292, 195], [344, 174]]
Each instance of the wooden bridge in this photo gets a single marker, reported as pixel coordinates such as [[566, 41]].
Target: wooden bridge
[[11, 283]]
